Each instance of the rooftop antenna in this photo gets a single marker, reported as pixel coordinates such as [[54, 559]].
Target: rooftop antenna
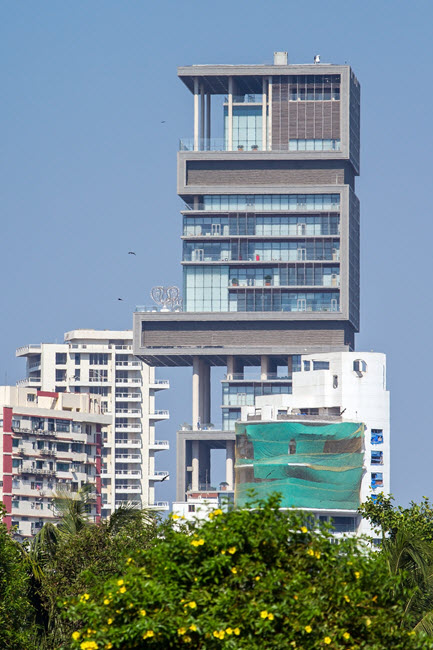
[[317, 58]]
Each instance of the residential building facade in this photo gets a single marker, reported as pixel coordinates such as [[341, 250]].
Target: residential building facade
[[101, 362], [50, 443]]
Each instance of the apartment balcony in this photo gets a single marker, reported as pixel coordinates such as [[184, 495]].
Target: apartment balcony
[[97, 347], [128, 381], [159, 384], [121, 444], [28, 349], [128, 427], [158, 505], [221, 144], [128, 364], [159, 445], [122, 503], [28, 469], [128, 489], [159, 475], [136, 412], [128, 473], [29, 382], [33, 367], [127, 397], [159, 415], [128, 458]]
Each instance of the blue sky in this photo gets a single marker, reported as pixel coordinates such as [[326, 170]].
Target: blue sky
[[88, 172]]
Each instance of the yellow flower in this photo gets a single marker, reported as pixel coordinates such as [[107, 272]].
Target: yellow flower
[[197, 542], [108, 646], [193, 627], [264, 614], [308, 629], [175, 517], [110, 620], [221, 634], [142, 612], [229, 631], [211, 515], [237, 631], [317, 554], [368, 622], [327, 640], [357, 575], [257, 578], [216, 634], [346, 636], [76, 636], [295, 597], [106, 601], [192, 604], [223, 552], [129, 560], [120, 583], [304, 529], [232, 550], [271, 617], [150, 633], [234, 570], [122, 589], [310, 551], [218, 511], [346, 598], [84, 597], [374, 599], [187, 639], [181, 631], [89, 645]]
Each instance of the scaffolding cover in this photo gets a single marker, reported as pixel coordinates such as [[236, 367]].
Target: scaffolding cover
[[312, 465]]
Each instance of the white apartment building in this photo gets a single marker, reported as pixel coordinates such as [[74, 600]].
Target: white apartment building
[[327, 390], [50, 443], [100, 362]]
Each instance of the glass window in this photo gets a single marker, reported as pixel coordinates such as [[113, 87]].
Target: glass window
[[60, 358], [320, 365]]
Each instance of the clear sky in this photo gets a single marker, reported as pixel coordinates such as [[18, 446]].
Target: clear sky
[[88, 172]]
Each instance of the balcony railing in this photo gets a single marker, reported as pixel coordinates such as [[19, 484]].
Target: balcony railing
[[128, 380], [159, 414], [251, 98], [270, 376]]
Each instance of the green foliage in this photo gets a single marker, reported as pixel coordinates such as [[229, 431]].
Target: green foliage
[[16, 613], [257, 578], [69, 557], [417, 519]]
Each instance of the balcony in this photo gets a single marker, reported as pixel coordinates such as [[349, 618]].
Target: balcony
[[127, 443], [128, 427], [159, 384], [29, 349], [129, 411], [128, 473], [128, 364], [159, 475], [128, 380], [158, 505], [121, 503], [159, 415], [217, 144], [29, 382], [128, 458], [159, 445], [128, 397], [128, 489]]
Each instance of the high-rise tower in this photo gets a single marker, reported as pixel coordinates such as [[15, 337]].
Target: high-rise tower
[[270, 240]]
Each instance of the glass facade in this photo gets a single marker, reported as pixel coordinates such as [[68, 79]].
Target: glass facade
[[244, 395], [262, 251], [247, 127], [260, 202], [272, 225], [283, 300]]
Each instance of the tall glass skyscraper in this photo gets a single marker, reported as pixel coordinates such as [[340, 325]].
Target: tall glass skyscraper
[[270, 240]]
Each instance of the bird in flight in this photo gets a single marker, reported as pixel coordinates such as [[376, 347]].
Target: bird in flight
[[162, 121], [120, 299], [131, 253], [165, 477]]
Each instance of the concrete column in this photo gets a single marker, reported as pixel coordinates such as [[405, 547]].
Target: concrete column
[[264, 366], [202, 115], [196, 91], [195, 463], [195, 391], [230, 115], [230, 366], [289, 366], [230, 463], [181, 463], [206, 394], [270, 114], [208, 119], [264, 114]]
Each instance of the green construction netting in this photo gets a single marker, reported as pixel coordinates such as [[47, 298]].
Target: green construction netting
[[311, 466]]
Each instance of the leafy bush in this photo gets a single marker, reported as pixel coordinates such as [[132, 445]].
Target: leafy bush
[[256, 578]]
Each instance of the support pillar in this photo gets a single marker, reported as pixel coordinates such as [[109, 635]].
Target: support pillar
[[195, 392], [264, 366], [208, 119], [196, 91], [230, 115], [264, 114], [201, 393], [202, 114], [270, 114], [195, 463], [230, 463]]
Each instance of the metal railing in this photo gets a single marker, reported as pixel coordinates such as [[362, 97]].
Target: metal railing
[[270, 376]]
